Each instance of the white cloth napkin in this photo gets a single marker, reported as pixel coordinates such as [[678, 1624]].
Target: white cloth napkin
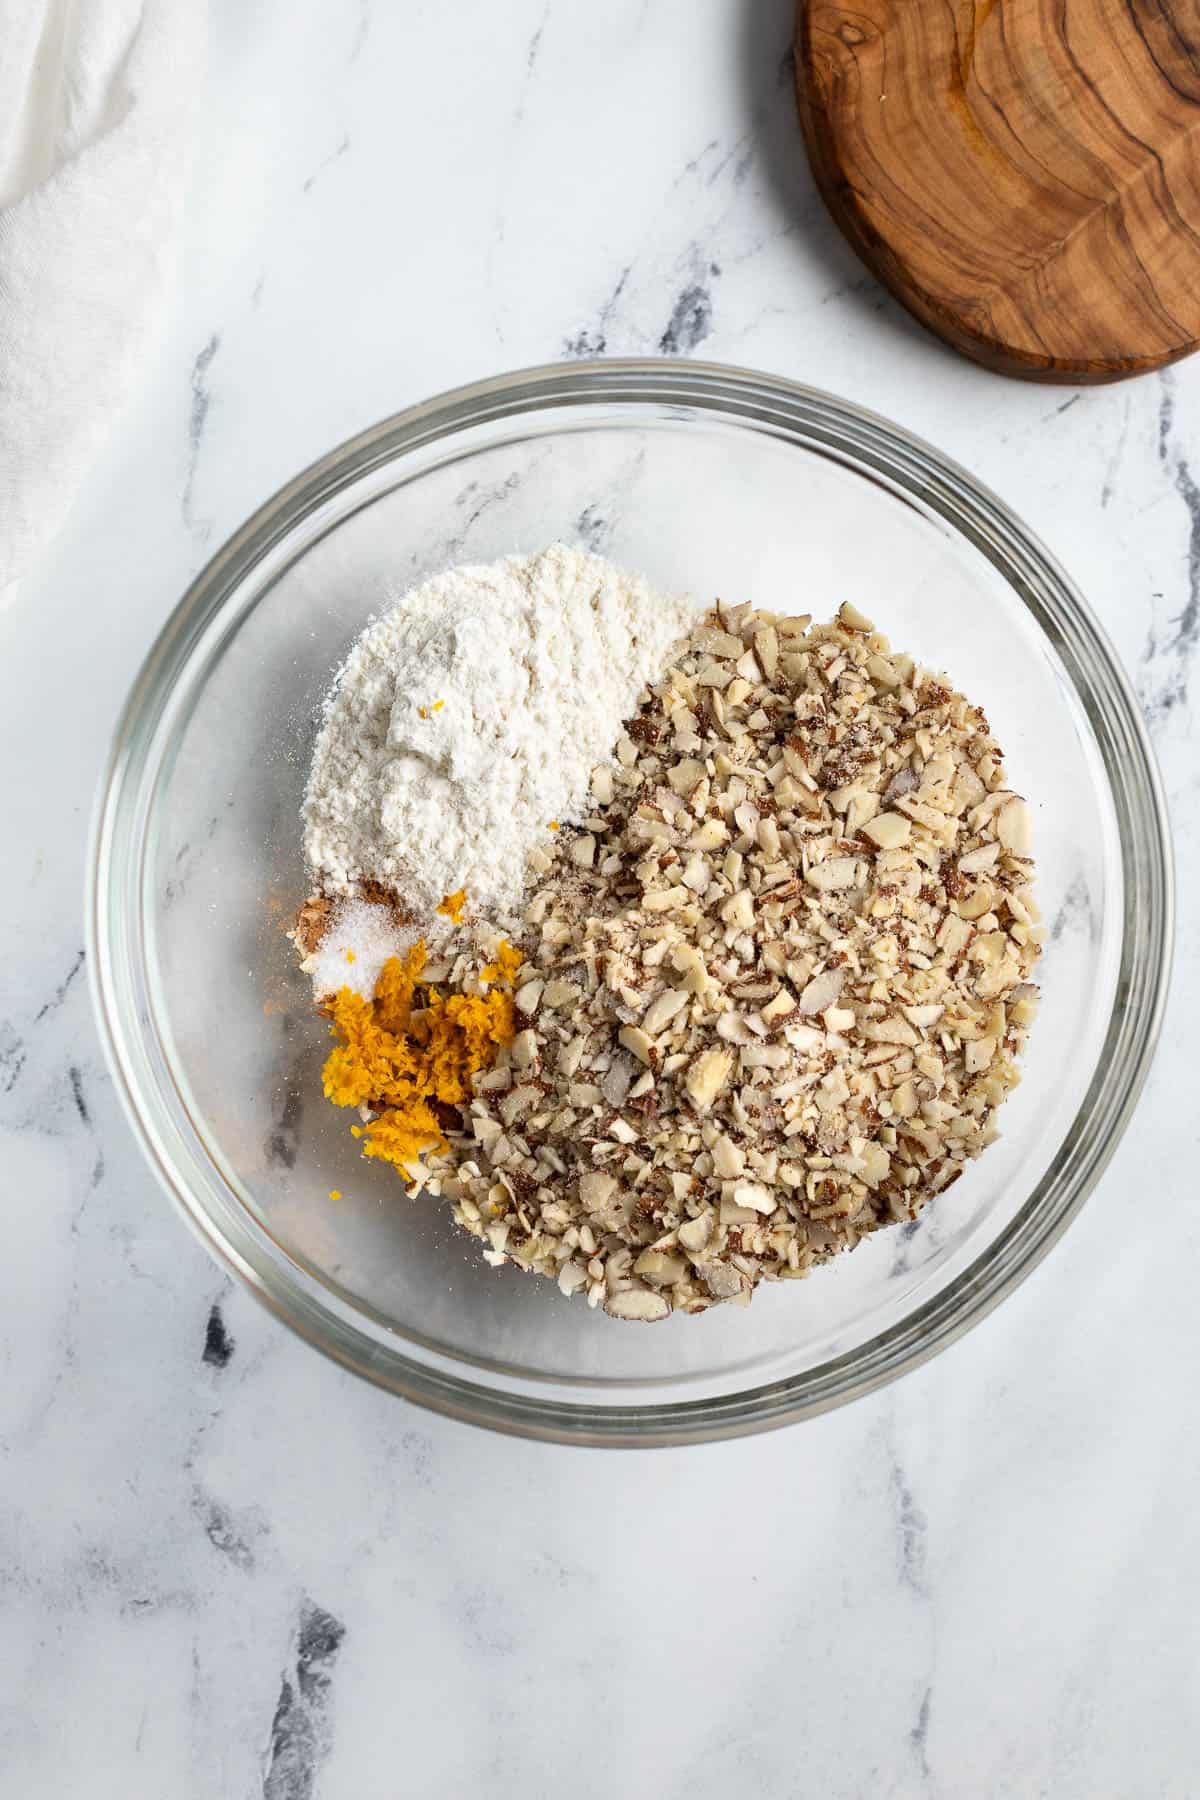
[[96, 105]]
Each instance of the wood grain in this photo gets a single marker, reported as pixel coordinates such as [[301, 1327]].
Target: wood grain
[[1024, 175]]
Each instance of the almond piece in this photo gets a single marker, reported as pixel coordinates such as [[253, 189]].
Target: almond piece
[[707, 1076], [596, 1189], [710, 836], [1012, 826], [834, 875], [754, 1194], [722, 1280], [778, 1008], [696, 1233], [766, 648], [697, 873], [685, 776], [635, 1040], [891, 831], [728, 1160], [662, 1010], [665, 899], [694, 976], [839, 1019], [637, 1303], [821, 992], [923, 1016], [738, 910], [659, 1267], [975, 861]]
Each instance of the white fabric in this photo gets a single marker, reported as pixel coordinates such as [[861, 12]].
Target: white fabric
[[96, 106]]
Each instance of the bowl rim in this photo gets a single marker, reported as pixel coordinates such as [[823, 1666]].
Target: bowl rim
[[875, 448]]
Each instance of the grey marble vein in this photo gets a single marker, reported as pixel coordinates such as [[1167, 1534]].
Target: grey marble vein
[[362, 30], [1113, 466], [335, 156], [1171, 645], [1064, 406], [911, 1529], [918, 1737], [13, 1056], [232, 1535], [592, 339], [201, 400], [219, 1346], [691, 319], [63, 989], [75, 1075], [535, 42], [1166, 413], [283, 1138], [300, 1729], [1076, 913]]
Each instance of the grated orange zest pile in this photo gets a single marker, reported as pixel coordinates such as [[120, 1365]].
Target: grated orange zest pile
[[451, 907], [403, 1061]]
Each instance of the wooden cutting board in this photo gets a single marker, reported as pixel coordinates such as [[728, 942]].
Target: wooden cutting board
[[1024, 175]]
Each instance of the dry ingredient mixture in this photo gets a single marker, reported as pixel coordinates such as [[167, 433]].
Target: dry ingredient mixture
[[769, 985]]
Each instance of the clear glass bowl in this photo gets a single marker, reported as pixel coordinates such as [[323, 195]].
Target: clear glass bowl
[[717, 480]]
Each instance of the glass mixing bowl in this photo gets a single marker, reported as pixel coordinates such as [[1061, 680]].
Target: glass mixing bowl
[[730, 484]]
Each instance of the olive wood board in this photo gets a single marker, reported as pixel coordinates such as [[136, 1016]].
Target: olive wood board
[[1024, 175]]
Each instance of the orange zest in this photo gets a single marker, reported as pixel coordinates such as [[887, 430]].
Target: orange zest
[[452, 905], [507, 962], [404, 1060]]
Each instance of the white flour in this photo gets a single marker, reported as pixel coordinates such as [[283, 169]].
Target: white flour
[[471, 716]]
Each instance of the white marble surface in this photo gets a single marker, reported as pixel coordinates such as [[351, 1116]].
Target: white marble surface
[[225, 1567]]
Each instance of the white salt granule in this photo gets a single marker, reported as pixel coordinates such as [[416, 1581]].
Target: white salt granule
[[469, 718], [358, 940]]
